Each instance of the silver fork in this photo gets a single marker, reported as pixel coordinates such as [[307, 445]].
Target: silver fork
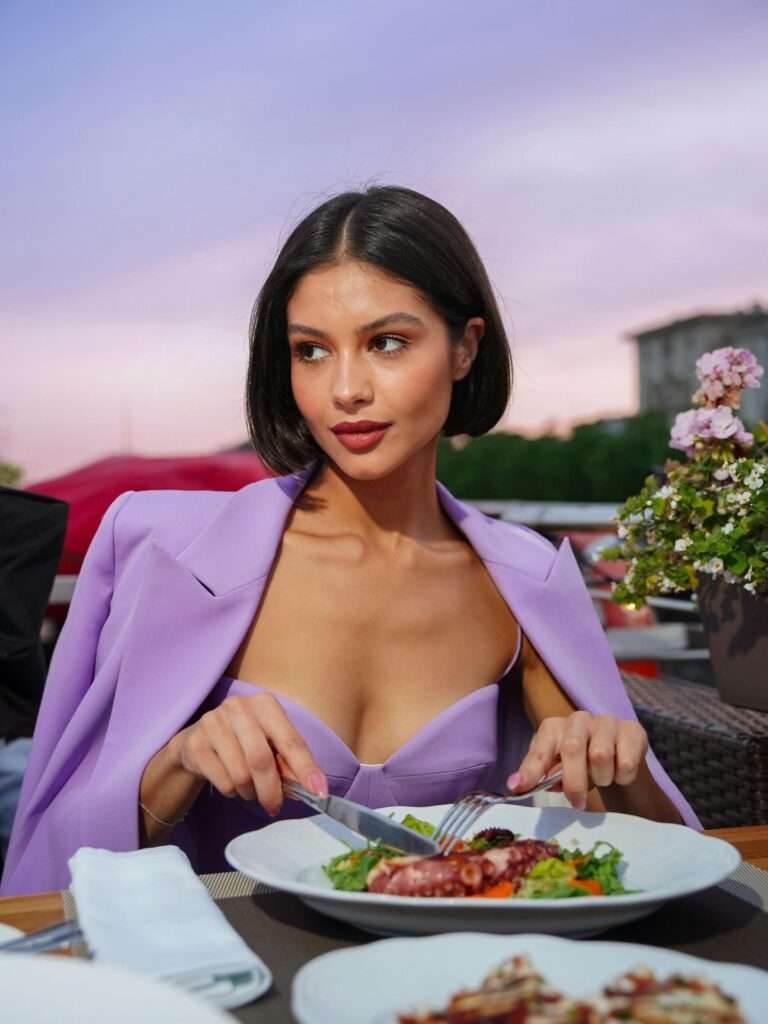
[[459, 818]]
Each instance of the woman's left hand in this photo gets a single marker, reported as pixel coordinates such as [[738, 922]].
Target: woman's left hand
[[594, 750]]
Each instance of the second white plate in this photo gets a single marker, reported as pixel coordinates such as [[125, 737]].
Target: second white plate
[[371, 984]]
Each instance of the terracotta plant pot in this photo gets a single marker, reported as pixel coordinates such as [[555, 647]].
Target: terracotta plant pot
[[736, 625]]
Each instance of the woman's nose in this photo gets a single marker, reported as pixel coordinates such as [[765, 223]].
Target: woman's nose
[[351, 382]]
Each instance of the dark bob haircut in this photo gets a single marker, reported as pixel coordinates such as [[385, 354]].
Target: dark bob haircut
[[414, 239]]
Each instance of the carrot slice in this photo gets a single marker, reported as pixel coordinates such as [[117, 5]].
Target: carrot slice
[[590, 885], [498, 891]]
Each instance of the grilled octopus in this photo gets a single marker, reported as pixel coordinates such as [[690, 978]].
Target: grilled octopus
[[465, 873]]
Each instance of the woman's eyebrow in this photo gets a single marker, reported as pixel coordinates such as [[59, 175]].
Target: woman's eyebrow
[[374, 325], [390, 318]]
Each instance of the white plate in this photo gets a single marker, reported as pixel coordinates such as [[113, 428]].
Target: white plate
[[663, 862], [38, 989], [370, 984]]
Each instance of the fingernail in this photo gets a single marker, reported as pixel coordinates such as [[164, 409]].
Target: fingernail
[[580, 803], [318, 784], [514, 780]]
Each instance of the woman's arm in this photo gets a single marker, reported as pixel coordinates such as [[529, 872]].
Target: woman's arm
[[603, 757], [166, 794], [245, 747]]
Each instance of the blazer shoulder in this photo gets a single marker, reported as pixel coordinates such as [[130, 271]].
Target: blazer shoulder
[[170, 518], [522, 546]]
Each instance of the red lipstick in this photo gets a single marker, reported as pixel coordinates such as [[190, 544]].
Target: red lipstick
[[360, 435]]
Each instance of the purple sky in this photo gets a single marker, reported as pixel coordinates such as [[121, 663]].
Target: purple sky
[[609, 159]]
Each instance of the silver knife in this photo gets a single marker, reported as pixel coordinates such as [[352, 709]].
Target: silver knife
[[364, 821]]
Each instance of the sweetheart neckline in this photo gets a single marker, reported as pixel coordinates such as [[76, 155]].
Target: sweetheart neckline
[[413, 738], [402, 749]]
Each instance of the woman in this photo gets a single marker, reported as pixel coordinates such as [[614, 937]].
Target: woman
[[348, 623]]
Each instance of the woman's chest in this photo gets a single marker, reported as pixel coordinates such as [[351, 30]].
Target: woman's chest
[[375, 650]]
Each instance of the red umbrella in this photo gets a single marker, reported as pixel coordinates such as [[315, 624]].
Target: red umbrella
[[91, 489]]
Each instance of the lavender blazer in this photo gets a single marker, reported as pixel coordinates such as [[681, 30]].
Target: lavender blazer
[[167, 591]]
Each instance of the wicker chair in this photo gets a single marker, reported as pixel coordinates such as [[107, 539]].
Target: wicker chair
[[716, 753]]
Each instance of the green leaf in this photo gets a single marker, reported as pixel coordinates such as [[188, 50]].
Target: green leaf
[[736, 562], [349, 871], [424, 828]]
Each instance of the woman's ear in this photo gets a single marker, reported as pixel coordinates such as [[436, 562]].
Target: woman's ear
[[463, 351]]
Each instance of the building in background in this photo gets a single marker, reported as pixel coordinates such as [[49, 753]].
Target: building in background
[[667, 354]]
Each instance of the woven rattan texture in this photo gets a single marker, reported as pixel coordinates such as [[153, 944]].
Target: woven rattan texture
[[717, 754]]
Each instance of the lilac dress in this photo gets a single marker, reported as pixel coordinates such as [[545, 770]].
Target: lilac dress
[[471, 744]]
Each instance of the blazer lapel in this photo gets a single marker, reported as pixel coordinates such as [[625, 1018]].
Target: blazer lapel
[[547, 596], [191, 614]]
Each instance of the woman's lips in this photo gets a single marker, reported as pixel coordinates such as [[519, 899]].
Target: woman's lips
[[360, 437]]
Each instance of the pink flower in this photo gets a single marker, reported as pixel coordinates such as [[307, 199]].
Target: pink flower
[[722, 423], [718, 424], [724, 374], [683, 432]]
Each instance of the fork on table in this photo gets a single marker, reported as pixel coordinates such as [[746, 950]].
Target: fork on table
[[462, 815]]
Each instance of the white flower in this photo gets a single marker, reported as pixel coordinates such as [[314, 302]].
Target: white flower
[[622, 531], [665, 492], [750, 587], [729, 526], [754, 480], [714, 566], [683, 543]]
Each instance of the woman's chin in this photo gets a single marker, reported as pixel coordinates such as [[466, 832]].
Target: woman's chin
[[365, 466]]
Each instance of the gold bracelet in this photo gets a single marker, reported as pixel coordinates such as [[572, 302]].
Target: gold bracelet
[[167, 824]]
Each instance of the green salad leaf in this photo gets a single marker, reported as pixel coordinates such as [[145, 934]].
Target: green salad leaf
[[349, 871], [603, 869], [550, 879], [424, 828]]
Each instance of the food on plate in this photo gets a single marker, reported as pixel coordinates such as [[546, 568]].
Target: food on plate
[[494, 864], [679, 999], [515, 993]]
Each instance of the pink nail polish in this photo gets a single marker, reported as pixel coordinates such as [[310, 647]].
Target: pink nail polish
[[513, 781], [318, 784], [580, 804]]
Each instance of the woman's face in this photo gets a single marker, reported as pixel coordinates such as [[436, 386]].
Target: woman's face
[[372, 366]]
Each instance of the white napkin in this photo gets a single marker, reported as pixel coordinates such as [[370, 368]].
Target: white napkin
[[148, 911]]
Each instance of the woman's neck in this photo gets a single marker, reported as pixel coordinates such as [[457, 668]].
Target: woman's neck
[[387, 510]]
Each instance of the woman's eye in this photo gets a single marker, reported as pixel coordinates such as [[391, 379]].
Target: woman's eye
[[388, 344], [306, 352]]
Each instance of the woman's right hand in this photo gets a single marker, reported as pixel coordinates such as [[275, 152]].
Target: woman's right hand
[[245, 747]]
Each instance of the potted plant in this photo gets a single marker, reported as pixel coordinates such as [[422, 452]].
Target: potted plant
[[704, 526]]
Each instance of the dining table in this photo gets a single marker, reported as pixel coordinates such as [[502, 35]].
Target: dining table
[[727, 923]]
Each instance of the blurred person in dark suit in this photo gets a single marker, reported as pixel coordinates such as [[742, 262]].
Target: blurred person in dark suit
[[31, 537]]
